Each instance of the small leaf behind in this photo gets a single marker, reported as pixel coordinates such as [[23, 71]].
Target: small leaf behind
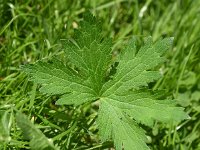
[[5, 123], [38, 141]]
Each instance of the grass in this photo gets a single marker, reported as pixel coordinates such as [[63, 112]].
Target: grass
[[31, 30]]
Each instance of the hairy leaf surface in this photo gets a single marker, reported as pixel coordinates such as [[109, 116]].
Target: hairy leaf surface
[[125, 99]]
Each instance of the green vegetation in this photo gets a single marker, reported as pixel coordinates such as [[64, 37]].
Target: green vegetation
[[32, 30]]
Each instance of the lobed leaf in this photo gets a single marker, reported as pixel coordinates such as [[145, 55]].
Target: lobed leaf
[[124, 99]]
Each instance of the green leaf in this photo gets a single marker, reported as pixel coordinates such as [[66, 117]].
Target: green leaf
[[115, 124], [140, 106], [58, 78], [5, 123], [37, 139], [90, 53], [125, 100]]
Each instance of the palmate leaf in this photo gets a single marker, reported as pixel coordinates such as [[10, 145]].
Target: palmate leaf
[[124, 98]]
